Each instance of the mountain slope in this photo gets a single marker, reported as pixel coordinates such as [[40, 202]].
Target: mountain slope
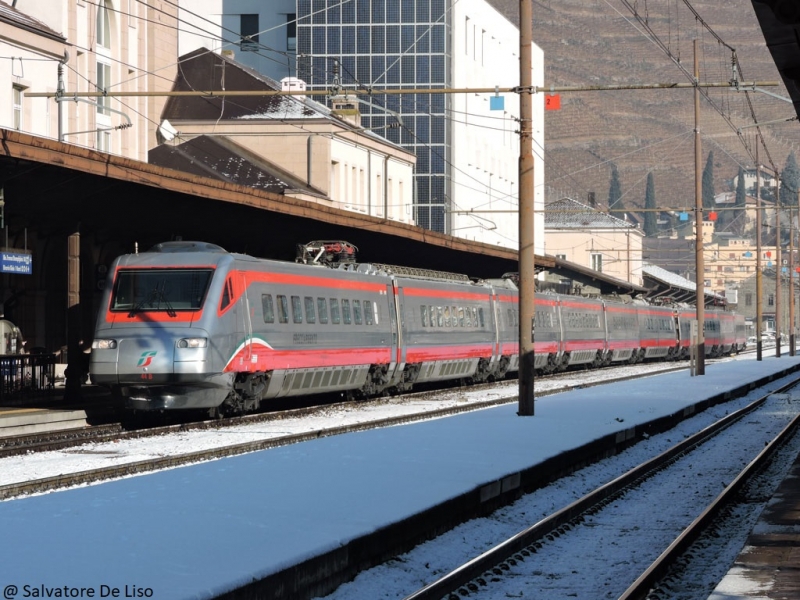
[[599, 42]]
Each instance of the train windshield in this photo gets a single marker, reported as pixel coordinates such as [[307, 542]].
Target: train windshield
[[160, 290]]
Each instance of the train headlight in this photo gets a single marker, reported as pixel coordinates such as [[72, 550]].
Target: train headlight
[[104, 344], [193, 343]]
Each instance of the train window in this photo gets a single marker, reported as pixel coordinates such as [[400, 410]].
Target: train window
[[454, 313], [474, 316], [322, 310], [227, 294], [461, 316], [297, 310], [480, 317], [432, 313], [309, 302], [369, 316], [467, 319], [334, 311], [357, 312], [439, 317], [375, 313], [446, 316], [346, 312], [268, 308], [423, 313], [283, 309]]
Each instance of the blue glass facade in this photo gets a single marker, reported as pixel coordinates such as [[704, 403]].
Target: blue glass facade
[[388, 44]]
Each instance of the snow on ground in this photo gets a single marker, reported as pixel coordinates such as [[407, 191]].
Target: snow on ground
[[198, 531]]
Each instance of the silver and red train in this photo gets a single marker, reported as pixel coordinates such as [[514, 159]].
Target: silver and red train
[[573, 331], [187, 325]]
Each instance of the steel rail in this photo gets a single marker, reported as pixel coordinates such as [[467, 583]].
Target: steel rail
[[641, 588], [492, 562]]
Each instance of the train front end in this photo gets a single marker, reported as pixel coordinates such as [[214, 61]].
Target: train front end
[[154, 343]]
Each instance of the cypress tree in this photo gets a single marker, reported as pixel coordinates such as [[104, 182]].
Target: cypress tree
[[615, 191], [739, 213], [708, 184], [790, 181], [650, 216]]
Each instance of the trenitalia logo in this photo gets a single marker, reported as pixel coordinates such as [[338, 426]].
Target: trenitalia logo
[[146, 358]]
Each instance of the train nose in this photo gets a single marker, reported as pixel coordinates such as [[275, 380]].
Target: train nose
[[132, 359]]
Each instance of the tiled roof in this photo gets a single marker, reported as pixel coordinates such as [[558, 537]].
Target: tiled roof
[[219, 158], [570, 214], [9, 14], [203, 70]]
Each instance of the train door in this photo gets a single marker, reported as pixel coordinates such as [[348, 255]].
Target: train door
[[494, 314], [396, 323], [244, 320]]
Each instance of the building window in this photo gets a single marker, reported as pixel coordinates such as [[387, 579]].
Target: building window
[[103, 83], [597, 262], [291, 32], [248, 28], [16, 108], [103, 141], [771, 300], [561, 256], [748, 299], [103, 26]]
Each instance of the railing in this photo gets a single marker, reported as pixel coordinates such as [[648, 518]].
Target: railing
[[24, 375]]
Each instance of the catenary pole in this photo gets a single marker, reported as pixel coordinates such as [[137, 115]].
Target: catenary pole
[[527, 273], [778, 266], [759, 282], [698, 225]]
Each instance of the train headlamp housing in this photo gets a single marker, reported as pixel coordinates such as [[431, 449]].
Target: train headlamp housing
[[193, 343], [104, 344]]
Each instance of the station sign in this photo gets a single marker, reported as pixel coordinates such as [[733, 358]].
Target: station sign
[[19, 263]]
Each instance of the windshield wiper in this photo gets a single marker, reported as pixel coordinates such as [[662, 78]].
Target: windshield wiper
[[155, 294], [159, 293]]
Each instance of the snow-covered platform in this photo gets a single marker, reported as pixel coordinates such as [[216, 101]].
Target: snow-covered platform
[[20, 421], [767, 567], [267, 523]]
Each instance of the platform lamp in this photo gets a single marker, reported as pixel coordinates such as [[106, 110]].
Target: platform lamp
[[2, 209]]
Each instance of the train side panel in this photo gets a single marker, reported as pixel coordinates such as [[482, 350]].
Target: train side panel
[[314, 330], [448, 329], [547, 336], [657, 332], [622, 323], [583, 322]]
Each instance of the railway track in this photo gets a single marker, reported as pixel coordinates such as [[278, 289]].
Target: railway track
[[518, 566], [70, 438]]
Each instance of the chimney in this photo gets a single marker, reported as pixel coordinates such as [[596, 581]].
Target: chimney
[[294, 84], [346, 108]]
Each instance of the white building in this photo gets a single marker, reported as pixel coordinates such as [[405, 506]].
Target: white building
[[485, 147], [111, 45], [467, 154]]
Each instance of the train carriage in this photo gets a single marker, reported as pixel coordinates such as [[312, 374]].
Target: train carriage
[[657, 332], [447, 330], [622, 325], [584, 334]]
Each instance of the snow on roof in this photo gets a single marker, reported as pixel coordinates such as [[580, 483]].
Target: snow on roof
[[568, 213]]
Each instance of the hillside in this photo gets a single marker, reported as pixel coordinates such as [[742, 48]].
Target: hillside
[[598, 42]]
